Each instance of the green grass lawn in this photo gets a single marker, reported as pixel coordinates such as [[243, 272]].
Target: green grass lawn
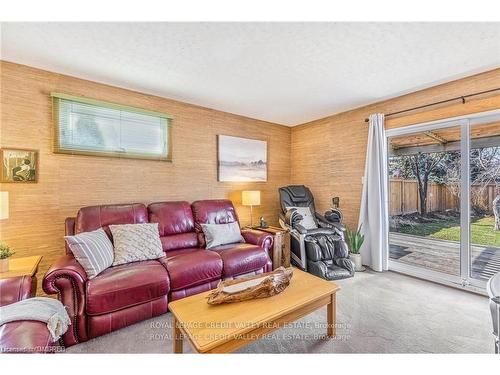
[[482, 231]]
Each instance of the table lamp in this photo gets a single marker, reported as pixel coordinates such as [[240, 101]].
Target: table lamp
[[4, 205], [250, 198]]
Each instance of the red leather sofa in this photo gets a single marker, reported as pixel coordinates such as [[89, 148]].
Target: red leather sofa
[[25, 336], [125, 294]]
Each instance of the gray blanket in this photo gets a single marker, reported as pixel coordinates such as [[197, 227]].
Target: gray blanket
[[47, 310]]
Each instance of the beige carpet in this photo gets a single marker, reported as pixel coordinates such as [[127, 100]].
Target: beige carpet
[[378, 312]]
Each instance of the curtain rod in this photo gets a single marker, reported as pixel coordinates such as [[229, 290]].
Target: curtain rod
[[440, 102]]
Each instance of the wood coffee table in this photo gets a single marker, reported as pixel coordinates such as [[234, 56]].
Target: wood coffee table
[[226, 328]]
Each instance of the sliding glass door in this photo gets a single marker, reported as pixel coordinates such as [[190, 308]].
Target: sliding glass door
[[443, 178], [484, 182]]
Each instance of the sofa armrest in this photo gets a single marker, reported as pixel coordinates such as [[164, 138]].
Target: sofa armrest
[[67, 279], [259, 238], [66, 267], [14, 289]]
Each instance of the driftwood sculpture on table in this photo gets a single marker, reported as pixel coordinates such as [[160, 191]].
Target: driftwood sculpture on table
[[259, 286]]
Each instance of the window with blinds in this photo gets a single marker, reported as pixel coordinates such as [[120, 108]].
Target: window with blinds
[[90, 127]]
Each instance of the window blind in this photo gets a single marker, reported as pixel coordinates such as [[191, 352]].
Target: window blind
[[110, 130]]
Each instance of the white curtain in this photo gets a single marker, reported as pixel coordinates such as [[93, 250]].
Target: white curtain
[[373, 213]]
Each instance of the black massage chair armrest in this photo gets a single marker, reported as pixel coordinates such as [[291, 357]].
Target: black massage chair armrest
[[324, 231], [300, 229], [328, 224], [286, 218], [292, 219]]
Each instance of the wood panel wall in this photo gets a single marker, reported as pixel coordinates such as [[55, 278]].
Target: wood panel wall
[[68, 182], [329, 154]]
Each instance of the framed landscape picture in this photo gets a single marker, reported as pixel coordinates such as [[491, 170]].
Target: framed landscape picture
[[241, 159], [19, 165]]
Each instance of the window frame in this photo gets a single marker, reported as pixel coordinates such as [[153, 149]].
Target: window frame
[[57, 97]]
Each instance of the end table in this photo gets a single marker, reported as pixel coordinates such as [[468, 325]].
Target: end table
[[281, 247]]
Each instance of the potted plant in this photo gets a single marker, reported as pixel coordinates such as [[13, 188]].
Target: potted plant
[[5, 253], [354, 241]]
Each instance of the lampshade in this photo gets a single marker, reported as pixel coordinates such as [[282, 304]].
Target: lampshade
[[4, 205], [250, 197]]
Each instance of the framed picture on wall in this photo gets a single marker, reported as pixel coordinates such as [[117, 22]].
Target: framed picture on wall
[[241, 159], [19, 165]]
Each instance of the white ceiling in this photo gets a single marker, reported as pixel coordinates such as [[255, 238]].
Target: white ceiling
[[288, 73]]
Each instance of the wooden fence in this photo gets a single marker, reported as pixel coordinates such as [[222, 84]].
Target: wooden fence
[[404, 198]]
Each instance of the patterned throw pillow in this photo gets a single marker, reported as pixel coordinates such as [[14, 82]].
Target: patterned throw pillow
[[308, 220], [221, 234], [93, 250], [135, 242]]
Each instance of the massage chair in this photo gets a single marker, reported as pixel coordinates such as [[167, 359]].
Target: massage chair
[[317, 242]]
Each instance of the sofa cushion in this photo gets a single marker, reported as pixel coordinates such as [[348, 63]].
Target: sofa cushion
[[175, 224], [126, 285], [192, 267], [212, 211], [241, 258], [172, 217], [173, 253], [95, 217], [136, 242], [179, 241]]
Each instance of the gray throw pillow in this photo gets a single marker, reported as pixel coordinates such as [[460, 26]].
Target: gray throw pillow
[[221, 234], [136, 242], [93, 250], [308, 221]]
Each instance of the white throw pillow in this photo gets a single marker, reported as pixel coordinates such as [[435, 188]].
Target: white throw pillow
[[307, 221], [136, 242], [221, 234], [93, 250]]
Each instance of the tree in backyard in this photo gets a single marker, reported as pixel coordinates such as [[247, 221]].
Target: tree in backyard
[[485, 172], [423, 166], [400, 168], [485, 165]]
